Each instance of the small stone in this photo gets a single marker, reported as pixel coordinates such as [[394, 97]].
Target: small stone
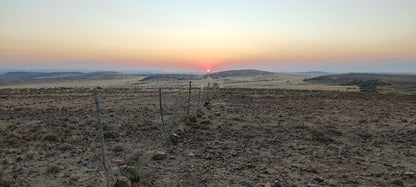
[[188, 122], [123, 182], [268, 184], [217, 114], [409, 174], [175, 138], [398, 182], [193, 119], [118, 161], [194, 125], [180, 132], [159, 155], [319, 179], [249, 183], [27, 138], [208, 157], [67, 174]]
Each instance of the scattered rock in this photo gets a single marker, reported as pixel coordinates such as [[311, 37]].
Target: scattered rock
[[249, 183], [180, 132], [159, 155], [175, 138], [398, 182], [217, 114], [123, 182], [318, 179], [188, 122], [409, 174], [67, 174], [194, 125], [268, 184], [193, 119], [208, 157]]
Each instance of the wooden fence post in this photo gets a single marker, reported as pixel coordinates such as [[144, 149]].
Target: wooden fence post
[[189, 96], [100, 129], [161, 113], [199, 96]]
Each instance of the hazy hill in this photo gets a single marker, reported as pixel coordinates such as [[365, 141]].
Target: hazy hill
[[371, 82], [169, 77], [237, 73], [350, 77], [39, 77]]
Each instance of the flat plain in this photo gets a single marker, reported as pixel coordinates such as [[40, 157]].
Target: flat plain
[[252, 131]]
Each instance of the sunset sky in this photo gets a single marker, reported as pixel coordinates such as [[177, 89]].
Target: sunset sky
[[194, 35]]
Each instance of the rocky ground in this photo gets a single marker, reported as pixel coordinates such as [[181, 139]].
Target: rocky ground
[[239, 137]]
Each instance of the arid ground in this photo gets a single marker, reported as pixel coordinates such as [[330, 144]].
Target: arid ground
[[237, 137]]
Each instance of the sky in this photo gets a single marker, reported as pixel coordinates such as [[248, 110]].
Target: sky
[[196, 35]]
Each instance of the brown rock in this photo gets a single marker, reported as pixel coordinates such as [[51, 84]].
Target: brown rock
[[193, 119], [268, 184], [68, 174], [175, 138], [194, 125], [217, 113], [188, 122], [159, 155], [180, 132], [123, 182]]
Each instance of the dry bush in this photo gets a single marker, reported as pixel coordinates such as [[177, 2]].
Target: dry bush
[[118, 148], [66, 147], [133, 158], [50, 137], [95, 154], [74, 139], [52, 168]]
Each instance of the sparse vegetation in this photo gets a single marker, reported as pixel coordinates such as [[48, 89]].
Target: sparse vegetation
[[294, 132], [319, 135]]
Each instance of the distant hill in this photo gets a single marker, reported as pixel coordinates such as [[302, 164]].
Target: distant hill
[[311, 73], [13, 78], [222, 74], [170, 77], [350, 77], [369, 82], [237, 73]]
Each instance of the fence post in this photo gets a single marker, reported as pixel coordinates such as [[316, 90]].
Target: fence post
[[100, 129], [189, 96], [161, 113], [199, 96]]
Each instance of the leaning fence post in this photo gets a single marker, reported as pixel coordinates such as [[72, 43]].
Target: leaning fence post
[[161, 114], [189, 96], [100, 129]]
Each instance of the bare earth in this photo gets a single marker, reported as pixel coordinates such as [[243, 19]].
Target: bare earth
[[243, 137]]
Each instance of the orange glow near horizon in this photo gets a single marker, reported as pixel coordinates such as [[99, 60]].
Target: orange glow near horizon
[[201, 35]]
